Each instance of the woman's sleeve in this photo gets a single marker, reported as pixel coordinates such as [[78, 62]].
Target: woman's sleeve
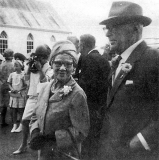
[[79, 113]]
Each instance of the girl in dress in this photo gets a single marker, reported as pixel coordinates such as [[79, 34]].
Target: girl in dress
[[17, 94]]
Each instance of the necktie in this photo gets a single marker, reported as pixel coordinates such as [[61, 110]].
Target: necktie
[[115, 64]]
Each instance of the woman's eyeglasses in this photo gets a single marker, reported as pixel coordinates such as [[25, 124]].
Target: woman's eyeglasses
[[60, 63]]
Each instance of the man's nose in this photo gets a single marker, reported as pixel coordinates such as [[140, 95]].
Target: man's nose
[[62, 67], [108, 33]]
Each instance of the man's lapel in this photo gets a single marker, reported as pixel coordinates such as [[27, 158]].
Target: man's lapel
[[135, 56]]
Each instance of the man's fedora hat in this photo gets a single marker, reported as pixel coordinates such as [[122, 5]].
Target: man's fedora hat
[[125, 12]]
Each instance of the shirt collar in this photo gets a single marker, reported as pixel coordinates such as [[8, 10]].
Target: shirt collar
[[128, 51], [94, 49]]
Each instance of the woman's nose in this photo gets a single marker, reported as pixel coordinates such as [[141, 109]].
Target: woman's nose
[[62, 67]]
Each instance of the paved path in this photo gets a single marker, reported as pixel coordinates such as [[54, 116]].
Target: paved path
[[9, 142]]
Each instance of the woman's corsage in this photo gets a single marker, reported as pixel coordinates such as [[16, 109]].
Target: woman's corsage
[[126, 67], [65, 90]]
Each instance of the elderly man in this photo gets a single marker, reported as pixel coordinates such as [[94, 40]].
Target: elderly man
[[131, 124]]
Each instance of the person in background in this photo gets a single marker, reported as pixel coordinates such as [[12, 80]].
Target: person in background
[[1, 81], [62, 110], [1, 59], [131, 124], [19, 56], [24, 60], [39, 71], [17, 86], [92, 74], [6, 68], [75, 41]]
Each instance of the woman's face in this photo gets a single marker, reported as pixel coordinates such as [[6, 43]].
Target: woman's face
[[63, 67]]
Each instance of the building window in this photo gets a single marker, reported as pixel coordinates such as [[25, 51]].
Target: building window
[[3, 41], [30, 43]]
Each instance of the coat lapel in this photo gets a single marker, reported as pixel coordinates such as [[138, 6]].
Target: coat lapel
[[135, 56]]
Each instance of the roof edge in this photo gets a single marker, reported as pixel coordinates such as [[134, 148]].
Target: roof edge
[[35, 29]]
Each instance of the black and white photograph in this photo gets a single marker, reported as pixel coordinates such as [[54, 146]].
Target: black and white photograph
[[79, 80]]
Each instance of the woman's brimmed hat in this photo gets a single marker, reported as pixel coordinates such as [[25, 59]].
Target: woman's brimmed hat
[[123, 12], [64, 46]]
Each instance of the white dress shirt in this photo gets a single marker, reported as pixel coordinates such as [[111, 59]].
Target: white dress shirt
[[125, 55]]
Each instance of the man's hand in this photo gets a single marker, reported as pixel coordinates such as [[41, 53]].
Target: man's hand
[[135, 144]]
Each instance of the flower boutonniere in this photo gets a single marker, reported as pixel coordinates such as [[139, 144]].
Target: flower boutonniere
[[65, 90], [126, 67]]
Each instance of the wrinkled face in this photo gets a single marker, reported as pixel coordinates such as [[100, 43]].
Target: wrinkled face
[[119, 36], [63, 67]]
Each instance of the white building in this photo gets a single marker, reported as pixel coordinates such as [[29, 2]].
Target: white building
[[25, 24]]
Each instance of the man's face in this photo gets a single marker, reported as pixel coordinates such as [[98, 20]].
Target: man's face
[[63, 67], [119, 37]]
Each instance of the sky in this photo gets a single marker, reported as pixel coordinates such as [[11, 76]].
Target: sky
[[84, 16]]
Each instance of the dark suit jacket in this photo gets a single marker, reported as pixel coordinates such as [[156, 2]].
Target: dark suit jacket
[[133, 108], [92, 73]]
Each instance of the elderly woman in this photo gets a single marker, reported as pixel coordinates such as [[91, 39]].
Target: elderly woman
[[61, 121]]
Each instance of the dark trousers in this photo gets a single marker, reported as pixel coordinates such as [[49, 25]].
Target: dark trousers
[[3, 115], [90, 144]]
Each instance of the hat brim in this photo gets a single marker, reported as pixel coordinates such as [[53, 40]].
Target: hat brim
[[126, 19]]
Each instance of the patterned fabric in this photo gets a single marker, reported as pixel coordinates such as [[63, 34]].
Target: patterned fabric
[[55, 113]]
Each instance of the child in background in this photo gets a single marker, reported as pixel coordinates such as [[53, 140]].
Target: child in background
[[17, 86]]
